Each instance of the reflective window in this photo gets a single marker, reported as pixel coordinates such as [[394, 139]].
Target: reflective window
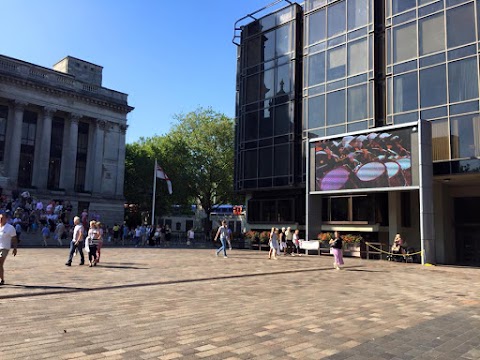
[[404, 44], [284, 38], [465, 136], [463, 79], [316, 69], [357, 57], [478, 18], [316, 112], [363, 208], [316, 27], [283, 83], [336, 63], [265, 124], [431, 34], [281, 160], [282, 120], [405, 92], [336, 18], [357, 13], [252, 85], [440, 143], [313, 4], [399, 6], [251, 126], [253, 51], [269, 84], [339, 209], [460, 25], [268, 45], [250, 164], [265, 162], [336, 107], [433, 86], [357, 103], [285, 210]]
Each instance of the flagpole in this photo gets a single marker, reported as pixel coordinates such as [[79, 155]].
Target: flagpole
[[154, 190]]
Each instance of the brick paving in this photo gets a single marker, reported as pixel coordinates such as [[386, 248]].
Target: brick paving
[[188, 304]]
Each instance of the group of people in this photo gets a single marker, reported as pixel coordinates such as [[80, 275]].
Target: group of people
[[284, 240], [91, 241]]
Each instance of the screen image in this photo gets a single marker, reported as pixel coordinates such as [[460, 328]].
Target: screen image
[[370, 160]]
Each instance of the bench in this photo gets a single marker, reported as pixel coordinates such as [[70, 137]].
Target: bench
[[309, 245]]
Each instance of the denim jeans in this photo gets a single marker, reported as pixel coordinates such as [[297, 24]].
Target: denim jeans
[[78, 246], [222, 240]]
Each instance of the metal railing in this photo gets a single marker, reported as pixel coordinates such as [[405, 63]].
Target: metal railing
[[237, 28]]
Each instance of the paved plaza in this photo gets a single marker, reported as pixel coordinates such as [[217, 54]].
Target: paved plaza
[[143, 303]]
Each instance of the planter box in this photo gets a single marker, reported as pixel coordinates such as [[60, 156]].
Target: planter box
[[351, 250]]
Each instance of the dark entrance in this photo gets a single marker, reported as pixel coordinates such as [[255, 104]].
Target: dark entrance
[[467, 231]]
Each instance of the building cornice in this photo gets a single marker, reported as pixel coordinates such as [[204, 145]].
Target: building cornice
[[53, 82]]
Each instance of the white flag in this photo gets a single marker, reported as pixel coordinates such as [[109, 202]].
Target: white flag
[[161, 175]]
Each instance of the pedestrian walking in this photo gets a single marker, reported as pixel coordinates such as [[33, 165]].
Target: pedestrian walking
[[229, 238], [77, 242], [222, 232], [273, 243], [59, 232], [8, 240], [296, 241], [190, 236], [91, 243], [336, 245], [45, 234]]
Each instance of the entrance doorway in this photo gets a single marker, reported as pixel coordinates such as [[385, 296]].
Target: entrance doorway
[[467, 231]]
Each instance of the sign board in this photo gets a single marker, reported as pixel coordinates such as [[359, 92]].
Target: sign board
[[382, 159]]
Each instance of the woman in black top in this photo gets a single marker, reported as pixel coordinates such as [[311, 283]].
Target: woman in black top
[[337, 249]]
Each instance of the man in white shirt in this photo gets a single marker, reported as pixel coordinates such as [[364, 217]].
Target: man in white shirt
[[77, 242], [8, 239]]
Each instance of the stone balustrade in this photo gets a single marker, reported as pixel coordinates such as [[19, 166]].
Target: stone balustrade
[[56, 79]]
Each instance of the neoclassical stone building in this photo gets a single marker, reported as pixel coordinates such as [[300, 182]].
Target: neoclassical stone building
[[62, 135]]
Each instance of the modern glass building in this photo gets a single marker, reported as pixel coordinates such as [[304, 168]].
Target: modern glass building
[[334, 67]]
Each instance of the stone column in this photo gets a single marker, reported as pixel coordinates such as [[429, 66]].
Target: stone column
[[69, 165], [40, 178], [121, 161], [15, 142], [98, 156]]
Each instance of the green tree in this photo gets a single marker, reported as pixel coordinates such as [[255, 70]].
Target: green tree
[[208, 139], [197, 154]]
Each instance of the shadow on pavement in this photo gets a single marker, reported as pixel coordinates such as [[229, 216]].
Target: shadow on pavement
[[160, 283]]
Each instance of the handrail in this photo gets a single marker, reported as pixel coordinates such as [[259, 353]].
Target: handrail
[[236, 28]]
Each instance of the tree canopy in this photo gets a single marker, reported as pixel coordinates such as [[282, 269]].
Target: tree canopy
[[197, 155]]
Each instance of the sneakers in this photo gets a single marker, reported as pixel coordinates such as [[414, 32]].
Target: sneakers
[[2, 283], [225, 256], [68, 264]]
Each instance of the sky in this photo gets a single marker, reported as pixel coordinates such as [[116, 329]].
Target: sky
[[170, 57]]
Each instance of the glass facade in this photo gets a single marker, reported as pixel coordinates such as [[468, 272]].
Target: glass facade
[[436, 76], [266, 135], [337, 66]]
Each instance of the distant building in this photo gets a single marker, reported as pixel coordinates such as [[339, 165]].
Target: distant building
[[62, 135]]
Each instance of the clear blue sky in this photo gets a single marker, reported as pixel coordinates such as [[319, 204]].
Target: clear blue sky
[[169, 56]]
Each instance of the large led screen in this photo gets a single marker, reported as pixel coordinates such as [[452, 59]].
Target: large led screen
[[374, 160]]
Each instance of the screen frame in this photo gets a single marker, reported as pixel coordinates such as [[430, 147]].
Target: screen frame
[[311, 178]]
